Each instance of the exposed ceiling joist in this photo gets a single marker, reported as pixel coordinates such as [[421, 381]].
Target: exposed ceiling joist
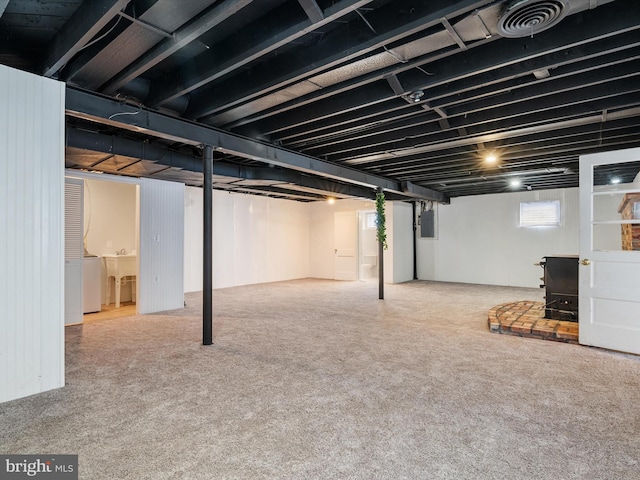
[[312, 9], [364, 93], [479, 65], [85, 23], [179, 40], [339, 46], [211, 67]]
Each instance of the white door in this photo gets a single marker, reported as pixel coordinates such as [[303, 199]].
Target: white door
[[73, 249], [346, 245], [609, 294]]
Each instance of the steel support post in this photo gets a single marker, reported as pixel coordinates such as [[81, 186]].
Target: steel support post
[[207, 254], [380, 266]]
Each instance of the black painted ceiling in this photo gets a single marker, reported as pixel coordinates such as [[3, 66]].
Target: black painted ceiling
[[413, 91]]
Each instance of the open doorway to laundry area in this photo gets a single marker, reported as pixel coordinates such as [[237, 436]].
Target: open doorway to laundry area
[[109, 212], [111, 239]]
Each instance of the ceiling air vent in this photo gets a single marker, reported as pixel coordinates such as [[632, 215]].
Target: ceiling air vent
[[528, 17]]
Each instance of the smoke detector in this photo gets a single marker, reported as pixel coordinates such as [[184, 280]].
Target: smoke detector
[[528, 17]]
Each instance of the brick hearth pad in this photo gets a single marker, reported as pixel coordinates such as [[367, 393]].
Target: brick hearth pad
[[526, 319]]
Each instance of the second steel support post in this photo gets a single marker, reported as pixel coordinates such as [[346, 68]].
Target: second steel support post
[[380, 266], [207, 253]]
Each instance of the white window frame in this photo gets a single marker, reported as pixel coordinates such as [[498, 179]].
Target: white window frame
[[370, 220], [541, 213]]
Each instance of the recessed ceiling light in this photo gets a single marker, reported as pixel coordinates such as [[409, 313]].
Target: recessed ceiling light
[[516, 182], [615, 180]]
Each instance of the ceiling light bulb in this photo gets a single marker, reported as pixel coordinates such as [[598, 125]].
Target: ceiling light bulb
[[615, 180], [516, 182], [331, 200], [491, 158]]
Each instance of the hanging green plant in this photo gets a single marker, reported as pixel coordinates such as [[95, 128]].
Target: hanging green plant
[[381, 233]]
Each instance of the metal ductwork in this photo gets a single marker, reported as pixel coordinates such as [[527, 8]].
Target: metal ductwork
[[523, 18]]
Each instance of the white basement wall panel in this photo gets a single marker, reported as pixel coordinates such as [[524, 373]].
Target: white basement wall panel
[[31, 234], [479, 239], [255, 239], [161, 255], [402, 241]]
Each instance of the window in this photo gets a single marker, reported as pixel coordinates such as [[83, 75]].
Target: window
[[371, 219], [540, 214]]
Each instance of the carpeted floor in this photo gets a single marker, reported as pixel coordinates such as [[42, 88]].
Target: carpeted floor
[[319, 379]]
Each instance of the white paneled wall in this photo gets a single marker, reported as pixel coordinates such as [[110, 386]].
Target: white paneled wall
[[479, 240], [161, 255], [402, 227], [255, 239], [31, 234]]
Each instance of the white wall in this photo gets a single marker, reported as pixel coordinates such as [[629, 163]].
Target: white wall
[[255, 239], [479, 240], [31, 234], [402, 241], [109, 216], [161, 253]]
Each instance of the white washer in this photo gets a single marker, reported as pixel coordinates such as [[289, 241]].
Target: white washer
[[91, 301]]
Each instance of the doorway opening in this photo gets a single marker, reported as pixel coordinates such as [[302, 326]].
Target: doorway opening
[[111, 239], [105, 284], [367, 246]]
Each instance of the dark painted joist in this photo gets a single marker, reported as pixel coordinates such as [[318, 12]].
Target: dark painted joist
[[327, 92], [584, 34], [486, 76], [351, 123], [550, 156], [342, 44], [486, 65], [85, 23], [569, 86], [312, 9], [598, 64], [103, 110], [180, 39], [212, 67], [533, 147], [575, 75], [451, 140], [558, 105], [484, 127]]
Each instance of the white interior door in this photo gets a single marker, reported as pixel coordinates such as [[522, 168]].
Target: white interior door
[[73, 249], [609, 293], [346, 245]]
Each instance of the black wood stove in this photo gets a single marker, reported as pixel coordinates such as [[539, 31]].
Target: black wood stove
[[561, 287]]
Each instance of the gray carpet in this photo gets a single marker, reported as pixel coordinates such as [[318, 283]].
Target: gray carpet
[[318, 379]]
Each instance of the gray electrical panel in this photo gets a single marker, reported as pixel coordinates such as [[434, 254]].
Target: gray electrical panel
[[427, 224]]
